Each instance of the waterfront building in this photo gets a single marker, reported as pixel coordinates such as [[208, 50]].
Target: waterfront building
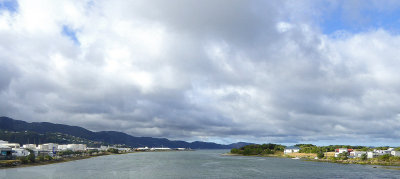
[[341, 150], [11, 145], [291, 149], [49, 147], [5, 152], [20, 152], [142, 149], [371, 154], [395, 153], [104, 148], [29, 146], [160, 148], [357, 154], [62, 147]]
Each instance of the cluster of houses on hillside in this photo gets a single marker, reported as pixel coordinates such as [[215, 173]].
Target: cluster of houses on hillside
[[12, 150], [352, 153]]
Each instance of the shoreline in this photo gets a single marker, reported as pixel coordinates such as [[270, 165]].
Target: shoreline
[[388, 165], [7, 164]]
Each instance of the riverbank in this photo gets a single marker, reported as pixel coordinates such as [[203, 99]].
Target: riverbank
[[4, 164], [311, 157]]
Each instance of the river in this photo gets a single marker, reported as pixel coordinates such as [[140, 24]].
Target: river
[[196, 164]]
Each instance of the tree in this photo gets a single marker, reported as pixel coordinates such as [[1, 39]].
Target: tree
[[364, 157], [385, 157], [343, 155], [112, 150], [320, 154], [31, 157], [235, 151], [23, 160], [48, 157], [41, 158]]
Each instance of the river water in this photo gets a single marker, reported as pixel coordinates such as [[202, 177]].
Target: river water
[[196, 164]]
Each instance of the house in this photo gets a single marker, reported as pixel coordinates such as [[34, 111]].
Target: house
[[291, 149], [357, 154], [341, 150], [382, 152], [395, 153], [371, 154]]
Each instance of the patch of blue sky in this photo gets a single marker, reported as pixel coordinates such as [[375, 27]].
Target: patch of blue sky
[[363, 20], [71, 34], [9, 5]]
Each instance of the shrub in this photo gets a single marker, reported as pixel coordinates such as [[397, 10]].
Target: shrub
[[320, 155], [23, 160], [48, 157], [385, 157], [31, 157], [112, 150], [364, 157], [343, 156], [41, 158], [235, 151]]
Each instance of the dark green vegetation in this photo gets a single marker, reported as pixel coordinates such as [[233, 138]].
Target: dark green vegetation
[[29, 137], [47, 132], [112, 150], [255, 149]]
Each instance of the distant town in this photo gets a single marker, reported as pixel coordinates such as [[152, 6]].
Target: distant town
[[51, 152]]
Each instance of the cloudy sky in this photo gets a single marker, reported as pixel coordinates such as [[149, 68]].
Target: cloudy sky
[[322, 72]]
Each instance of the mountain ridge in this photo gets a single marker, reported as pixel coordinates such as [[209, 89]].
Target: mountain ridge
[[111, 137]]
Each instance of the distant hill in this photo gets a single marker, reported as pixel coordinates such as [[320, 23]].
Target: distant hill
[[109, 137]]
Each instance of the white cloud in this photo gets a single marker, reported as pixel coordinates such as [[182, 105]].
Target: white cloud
[[198, 70]]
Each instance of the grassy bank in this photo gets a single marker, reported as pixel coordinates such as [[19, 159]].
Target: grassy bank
[[311, 157]]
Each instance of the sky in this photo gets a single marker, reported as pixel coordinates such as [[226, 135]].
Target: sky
[[308, 71]]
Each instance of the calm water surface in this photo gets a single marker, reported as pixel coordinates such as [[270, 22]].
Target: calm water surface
[[195, 164]]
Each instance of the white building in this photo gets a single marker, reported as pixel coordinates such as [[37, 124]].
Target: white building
[[142, 149], [62, 147], [11, 145], [20, 152], [357, 154], [395, 153], [160, 148], [76, 147], [29, 146], [341, 150], [382, 152], [371, 154], [291, 149], [48, 147], [73, 147], [104, 148]]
